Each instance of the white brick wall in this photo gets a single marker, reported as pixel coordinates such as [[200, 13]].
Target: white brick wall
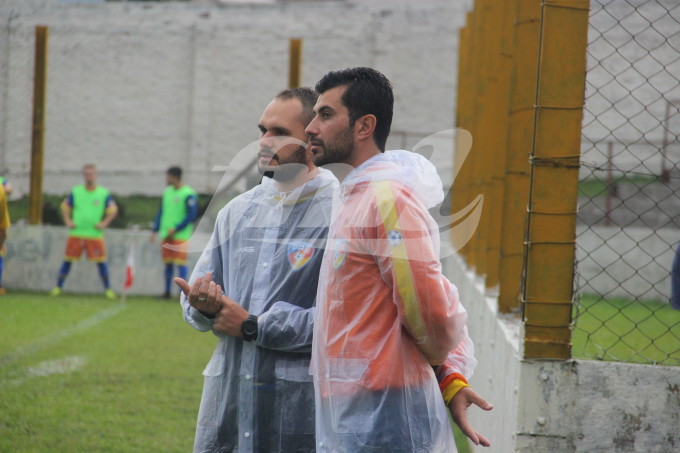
[[136, 87]]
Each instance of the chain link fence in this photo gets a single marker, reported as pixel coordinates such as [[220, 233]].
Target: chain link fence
[[629, 197]]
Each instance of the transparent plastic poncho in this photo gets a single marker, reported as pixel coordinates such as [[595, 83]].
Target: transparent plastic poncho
[[265, 252], [386, 317]]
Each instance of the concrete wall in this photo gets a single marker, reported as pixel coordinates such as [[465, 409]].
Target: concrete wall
[[136, 87], [631, 263], [632, 79], [34, 256], [561, 407]]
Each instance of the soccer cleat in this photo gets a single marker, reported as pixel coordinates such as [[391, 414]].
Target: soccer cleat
[[110, 294], [56, 291]]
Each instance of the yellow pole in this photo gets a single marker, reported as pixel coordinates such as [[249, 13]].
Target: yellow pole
[[520, 140], [478, 170], [463, 34], [458, 201], [38, 129], [463, 194], [295, 62], [466, 114], [500, 41], [551, 227]]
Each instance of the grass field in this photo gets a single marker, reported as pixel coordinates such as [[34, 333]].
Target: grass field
[[85, 374], [595, 187], [625, 330]]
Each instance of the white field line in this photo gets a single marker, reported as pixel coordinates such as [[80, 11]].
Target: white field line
[[58, 366], [48, 368], [49, 340]]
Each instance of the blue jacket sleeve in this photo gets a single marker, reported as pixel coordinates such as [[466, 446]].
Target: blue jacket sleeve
[[192, 210], [157, 221]]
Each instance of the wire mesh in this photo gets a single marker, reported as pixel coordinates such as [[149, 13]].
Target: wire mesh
[[629, 197]]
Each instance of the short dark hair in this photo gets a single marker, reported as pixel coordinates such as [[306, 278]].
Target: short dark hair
[[307, 98], [368, 92], [175, 171]]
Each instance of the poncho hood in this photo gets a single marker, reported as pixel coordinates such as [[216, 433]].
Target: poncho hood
[[409, 168]]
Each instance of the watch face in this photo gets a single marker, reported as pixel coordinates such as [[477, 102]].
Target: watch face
[[249, 328]]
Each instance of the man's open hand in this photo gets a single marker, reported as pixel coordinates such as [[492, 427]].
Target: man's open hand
[[458, 408]]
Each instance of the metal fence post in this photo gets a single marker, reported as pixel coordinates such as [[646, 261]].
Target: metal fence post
[[551, 223], [461, 109], [480, 135], [520, 138], [500, 41], [464, 113]]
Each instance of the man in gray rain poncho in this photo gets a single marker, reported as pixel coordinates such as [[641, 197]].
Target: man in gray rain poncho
[[264, 253]]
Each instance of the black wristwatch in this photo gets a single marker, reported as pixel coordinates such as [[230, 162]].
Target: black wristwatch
[[249, 328]]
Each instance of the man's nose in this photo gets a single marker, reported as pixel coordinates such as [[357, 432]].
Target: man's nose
[[311, 130], [266, 140]]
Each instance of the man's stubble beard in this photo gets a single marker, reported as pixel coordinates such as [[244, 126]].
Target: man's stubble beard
[[337, 151], [288, 169]]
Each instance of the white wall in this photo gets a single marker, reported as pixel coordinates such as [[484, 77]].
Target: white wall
[[136, 87], [632, 78], [34, 256], [630, 263]]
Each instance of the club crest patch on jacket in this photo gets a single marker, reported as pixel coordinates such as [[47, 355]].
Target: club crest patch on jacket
[[339, 253], [299, 254]]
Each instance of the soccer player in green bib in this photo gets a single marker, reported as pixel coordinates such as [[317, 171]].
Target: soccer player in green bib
[[174, 222], [87, 211]]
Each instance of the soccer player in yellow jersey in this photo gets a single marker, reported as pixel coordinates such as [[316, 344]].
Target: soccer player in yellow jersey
[[6, 185], [87, 211], [4, 226]]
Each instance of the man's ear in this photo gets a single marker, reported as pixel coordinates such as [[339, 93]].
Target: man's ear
[[365, 126]]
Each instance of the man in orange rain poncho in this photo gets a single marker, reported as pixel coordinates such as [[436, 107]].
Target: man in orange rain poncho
[[386, 319]]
